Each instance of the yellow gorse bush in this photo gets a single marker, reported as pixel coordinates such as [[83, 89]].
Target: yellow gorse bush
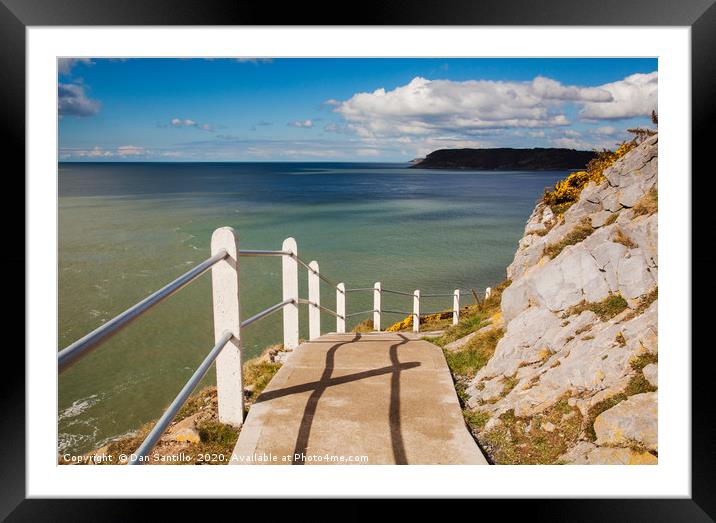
[[567, 191]]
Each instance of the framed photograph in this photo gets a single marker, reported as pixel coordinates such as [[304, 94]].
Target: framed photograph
[[424, 236]]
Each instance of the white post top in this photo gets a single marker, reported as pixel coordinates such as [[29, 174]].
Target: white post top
[[290, 245], [290, 291], [225, 290]]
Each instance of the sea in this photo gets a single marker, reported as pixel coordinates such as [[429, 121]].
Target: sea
[[126, 229]]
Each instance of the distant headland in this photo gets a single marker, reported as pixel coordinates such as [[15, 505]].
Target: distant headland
[[537, 159]]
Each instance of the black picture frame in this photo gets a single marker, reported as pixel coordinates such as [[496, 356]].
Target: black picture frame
[[700, 15]]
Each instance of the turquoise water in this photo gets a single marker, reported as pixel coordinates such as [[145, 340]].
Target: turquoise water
[[127, 229]]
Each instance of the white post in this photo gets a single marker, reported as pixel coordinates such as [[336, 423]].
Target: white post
[[314, 296], [225, 293], [290, 292], [341, 308], [456, 307], [416, 311], [488, 292], [376, 305]]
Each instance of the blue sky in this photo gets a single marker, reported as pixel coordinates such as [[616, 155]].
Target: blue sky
[[343, 109]]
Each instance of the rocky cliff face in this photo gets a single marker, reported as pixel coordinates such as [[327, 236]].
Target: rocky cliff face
[[577, 365]]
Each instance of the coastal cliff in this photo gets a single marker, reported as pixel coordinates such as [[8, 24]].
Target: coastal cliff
[[560, 364], [576, 368], [505, 159]]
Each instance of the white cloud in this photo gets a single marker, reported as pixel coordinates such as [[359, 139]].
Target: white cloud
[[423, 106], [179, 122], [301, 124], [255, 60], [73, 101], [368, 152], [65, 65], [130, 150], [635, 95], [605, 129], [123, 151]]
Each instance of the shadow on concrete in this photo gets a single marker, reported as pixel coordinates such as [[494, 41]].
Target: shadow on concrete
[[320, 386], [396, 435]]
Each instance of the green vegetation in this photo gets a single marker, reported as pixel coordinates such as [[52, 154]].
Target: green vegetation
[[566, 192], [364, 326], [605, 309], [508, 384], [214, 433], [537, 440], [215, 438], [578, 233], [466, 361], [476, 419], [642, 360], [643, 304], [465, 326], [638, 384], [257, 374]]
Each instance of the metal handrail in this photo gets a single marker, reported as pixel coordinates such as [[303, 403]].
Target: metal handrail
[[244, 252], [266, 312], [317, 273], [153, 437], [361, 312], [397, 292], [88, 343], [406, 293], [324, 309], [161, 426], [79, 349]]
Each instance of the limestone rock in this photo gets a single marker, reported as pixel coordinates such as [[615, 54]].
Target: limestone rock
[[651, 374], [460, 343], [632, 420], [589, 454], [548, 426], [185, 430], [553, 356]]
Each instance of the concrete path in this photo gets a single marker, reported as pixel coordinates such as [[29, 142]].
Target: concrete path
[[377, 398]]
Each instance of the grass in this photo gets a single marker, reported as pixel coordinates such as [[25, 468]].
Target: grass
[[510, 443], [612, 218], [620, 237], [257, 374], [642, 360], [465, 326], [605, 309], [620, 339], [475, 419], [638, 384], [643, 304], [364, 326], [217, 440], [578, 233], [508, 384], [465, 362], [648, 204]]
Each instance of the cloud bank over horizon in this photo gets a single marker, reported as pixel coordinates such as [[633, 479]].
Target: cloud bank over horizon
[[409, 119]]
